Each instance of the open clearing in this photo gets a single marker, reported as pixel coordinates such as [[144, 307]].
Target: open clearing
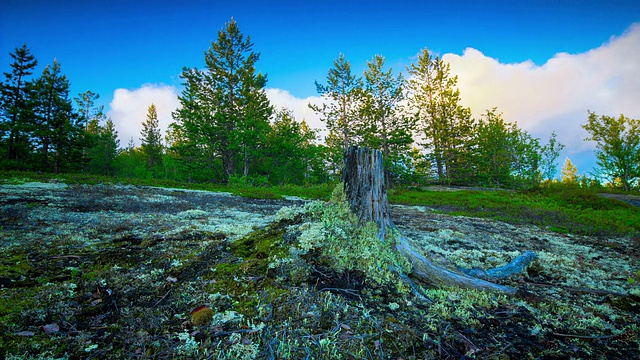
[[114, 271]]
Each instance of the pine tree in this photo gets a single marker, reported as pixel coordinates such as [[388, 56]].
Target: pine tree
[[152, 139], [383, 126], [492, 150], [15, 109], [225, 111], [88, 111], [343, 93], [444, 124]]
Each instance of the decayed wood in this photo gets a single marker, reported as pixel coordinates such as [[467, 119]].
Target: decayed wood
[[365, 190], [364, 186]]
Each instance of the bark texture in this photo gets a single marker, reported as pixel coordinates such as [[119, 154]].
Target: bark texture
[[365, 190], [364, 187]]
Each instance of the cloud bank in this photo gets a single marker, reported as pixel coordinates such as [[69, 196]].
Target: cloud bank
[[555, 96], [129, 109]]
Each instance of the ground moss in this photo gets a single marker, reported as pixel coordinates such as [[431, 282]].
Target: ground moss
[[121, 279]]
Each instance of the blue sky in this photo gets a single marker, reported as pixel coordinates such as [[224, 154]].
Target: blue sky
[[133, 51]]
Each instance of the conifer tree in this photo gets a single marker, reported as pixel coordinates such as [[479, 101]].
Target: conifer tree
[[341, 112], [492, 147], [290, 150], [225, 111], [88, 111], [383, 126], [57, 131], [105, 149], [549, 156], [151, 139], [15, 108], [90, 118], [444, 124]]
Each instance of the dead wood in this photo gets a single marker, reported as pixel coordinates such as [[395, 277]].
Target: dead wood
[[366, 193]]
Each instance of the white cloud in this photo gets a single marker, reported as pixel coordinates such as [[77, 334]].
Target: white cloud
[[129, 109], [300, 107], [556, 95]]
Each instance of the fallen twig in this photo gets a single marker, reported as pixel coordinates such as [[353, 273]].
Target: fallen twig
[[66, 257], [162, 298], [347, 291], [589, 337]]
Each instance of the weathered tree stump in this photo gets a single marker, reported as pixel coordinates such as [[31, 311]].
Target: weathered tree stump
[[365, 191]]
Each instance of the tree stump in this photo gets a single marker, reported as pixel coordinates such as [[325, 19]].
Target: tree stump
[[364, 186]]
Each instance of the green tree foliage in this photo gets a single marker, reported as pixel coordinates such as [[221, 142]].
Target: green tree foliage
[[225, 111], [290, 150], [569, 173], [527, 157], [444, 124], [132, 163], [549, 157], [151, 140], [492, 149], [503, 155], [15, 109], [341, 109], [57, 131], [90, 117], [383, 126], [420, 169], [618, 148], [106, 148]]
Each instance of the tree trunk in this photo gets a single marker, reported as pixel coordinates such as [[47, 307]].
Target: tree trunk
[[365, 191]]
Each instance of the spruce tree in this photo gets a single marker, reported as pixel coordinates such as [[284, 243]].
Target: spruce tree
[[15, 108], [57, 130], [151, 139]]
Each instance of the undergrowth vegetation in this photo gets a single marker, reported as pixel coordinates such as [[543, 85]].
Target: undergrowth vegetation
[[563, 210]]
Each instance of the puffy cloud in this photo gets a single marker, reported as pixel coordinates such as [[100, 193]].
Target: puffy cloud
[[300, 107], [129, 109], [556, 95]]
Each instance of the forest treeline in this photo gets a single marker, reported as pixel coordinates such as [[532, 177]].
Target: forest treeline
[[226, 130]]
